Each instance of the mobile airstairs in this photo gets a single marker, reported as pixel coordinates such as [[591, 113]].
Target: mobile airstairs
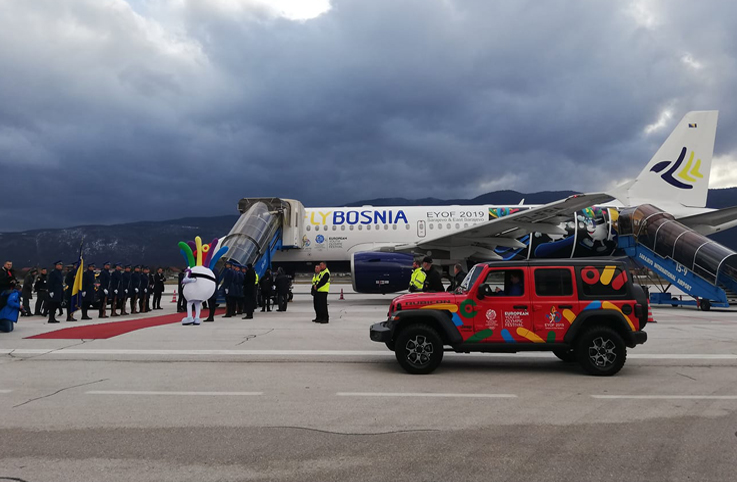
[[703, 269]]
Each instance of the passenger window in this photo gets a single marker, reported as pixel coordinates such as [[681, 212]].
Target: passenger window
[[342, 227], [509, 282], [309, 227], [553, 282]]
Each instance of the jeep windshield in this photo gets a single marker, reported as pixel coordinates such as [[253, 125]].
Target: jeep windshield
[[471, 277]]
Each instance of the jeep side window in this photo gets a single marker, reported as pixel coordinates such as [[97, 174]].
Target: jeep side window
[[503, 283], [471, 277], [553, 282]]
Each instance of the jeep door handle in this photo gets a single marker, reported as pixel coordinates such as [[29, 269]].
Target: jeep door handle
[[563, 307], [520, 307]]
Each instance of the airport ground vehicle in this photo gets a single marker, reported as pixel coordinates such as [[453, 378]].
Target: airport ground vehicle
[[583, 310]]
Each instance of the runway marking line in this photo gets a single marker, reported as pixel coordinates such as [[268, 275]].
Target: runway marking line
[[429, 395], [337, 353], [5, 391], [665, 397], [204, 394]]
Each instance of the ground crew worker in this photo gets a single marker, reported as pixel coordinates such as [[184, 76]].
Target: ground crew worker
[[323, 288], [313, 291], [417, 281], [56, 291]]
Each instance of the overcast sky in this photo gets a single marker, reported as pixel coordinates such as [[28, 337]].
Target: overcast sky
[[115, 111]]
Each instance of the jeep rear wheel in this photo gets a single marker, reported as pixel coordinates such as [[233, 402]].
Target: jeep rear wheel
[[419, 349], [601, 351], [568, 356]]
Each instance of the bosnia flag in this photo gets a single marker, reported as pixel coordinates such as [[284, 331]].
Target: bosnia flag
[[76, 301]]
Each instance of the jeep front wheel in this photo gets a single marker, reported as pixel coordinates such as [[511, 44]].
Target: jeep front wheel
[[601, 351], [419, 349]]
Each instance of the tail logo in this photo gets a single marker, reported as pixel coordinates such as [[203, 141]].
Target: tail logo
[[687, 176]]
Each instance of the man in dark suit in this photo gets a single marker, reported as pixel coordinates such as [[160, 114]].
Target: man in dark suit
[[41, 288], [56, 291], [228, 289], [27, 292], [159, 280]]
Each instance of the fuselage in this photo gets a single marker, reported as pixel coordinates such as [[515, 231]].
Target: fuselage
[[335, 234]]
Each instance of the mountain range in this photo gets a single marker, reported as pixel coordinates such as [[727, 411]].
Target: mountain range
[[155, 243]]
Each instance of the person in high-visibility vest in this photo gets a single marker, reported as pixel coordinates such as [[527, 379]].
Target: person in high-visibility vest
[[313, 290], [417, 281], [322, 289]]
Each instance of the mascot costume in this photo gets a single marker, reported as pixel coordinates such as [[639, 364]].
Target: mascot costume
[[199, 282]]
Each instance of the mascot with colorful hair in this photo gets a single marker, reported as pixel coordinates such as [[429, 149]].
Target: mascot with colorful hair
[[199, 281]]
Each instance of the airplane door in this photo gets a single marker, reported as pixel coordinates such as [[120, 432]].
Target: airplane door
[[421, 229]]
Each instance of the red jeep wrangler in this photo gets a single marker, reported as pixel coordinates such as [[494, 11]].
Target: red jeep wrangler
[[582, 310]]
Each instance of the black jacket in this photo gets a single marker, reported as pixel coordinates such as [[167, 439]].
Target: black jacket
[[28, 285], [69, 282], [266, 283], [282, 284], [159, 280], [7, 279], [116, 279], [104, 280], [433, 283], [41, 284], [249, 282], [56, 285], [88, 285]]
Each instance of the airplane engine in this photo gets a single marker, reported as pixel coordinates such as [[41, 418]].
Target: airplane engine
[[376, 272]]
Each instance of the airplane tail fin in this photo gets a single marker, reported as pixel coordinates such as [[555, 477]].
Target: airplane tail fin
[[679, 171]]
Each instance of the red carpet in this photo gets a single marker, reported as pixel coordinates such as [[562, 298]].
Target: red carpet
[[103, 331]]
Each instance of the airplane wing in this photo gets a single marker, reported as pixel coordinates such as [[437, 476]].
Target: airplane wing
[[480, 240], [712, 221]]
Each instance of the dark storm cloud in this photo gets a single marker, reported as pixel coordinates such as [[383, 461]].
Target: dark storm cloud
[[112, 113]]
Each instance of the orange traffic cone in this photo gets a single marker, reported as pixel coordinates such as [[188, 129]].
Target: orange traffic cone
[[650, 314], [174, 296], [341, 294]]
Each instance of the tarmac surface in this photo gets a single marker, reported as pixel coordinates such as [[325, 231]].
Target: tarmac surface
[[281, 398]]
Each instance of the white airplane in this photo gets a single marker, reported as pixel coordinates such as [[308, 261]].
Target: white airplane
[[378, 243]]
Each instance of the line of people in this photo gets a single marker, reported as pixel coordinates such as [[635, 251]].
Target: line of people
[[134, 286], [243, 290]]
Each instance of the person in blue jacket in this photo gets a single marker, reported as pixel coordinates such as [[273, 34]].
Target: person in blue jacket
[[56, 290], [104, 291], [116, 290], [9, 313], [88, 290], [135, 287]]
